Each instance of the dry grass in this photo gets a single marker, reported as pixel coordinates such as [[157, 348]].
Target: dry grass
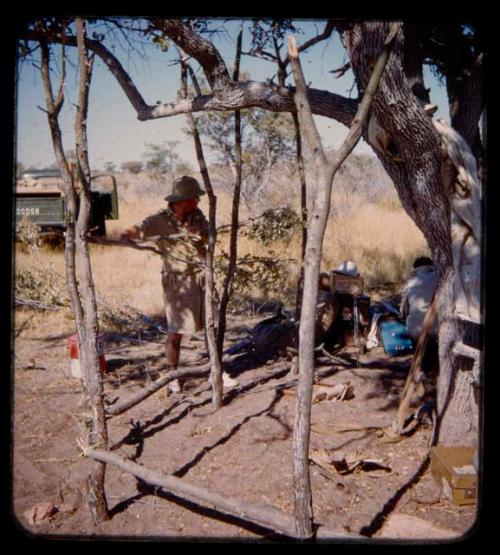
[[382, 241], [380, 238]]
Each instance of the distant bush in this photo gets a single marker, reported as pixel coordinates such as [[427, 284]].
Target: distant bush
[[28, 235], [132, 167]]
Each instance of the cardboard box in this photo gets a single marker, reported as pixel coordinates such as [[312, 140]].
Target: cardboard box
[[345, 284], [453, 470]]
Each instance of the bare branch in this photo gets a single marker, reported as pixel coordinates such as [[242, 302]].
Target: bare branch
[[233, 240], [327, 31], [303, 107], [263, 515], [317, 225], [139, 246], [341, 70]]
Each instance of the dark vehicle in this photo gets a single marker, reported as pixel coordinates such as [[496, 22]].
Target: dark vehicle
[[40, 198]]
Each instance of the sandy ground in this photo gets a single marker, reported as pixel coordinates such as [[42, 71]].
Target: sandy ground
[[243, 450]]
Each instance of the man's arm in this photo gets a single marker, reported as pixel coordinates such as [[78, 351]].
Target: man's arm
[[197, 224], [133, 232]]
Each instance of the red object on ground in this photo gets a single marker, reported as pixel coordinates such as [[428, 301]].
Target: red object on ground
[[74, 354]]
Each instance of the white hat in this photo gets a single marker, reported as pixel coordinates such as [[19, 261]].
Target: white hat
[[347, 267]]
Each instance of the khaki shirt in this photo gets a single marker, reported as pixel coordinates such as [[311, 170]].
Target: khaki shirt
[[183, 251]]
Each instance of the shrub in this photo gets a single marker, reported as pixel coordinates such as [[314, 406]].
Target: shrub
[[40, 284]]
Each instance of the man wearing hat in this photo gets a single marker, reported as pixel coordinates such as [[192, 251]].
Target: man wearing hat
[[181, 234]]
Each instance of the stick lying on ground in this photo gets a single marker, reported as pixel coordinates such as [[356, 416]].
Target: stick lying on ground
[[158, 384], [155, 386], [263, 515]]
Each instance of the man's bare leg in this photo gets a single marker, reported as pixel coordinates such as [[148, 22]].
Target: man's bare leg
[[172, 355]]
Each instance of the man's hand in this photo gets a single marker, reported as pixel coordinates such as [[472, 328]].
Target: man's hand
[[129, 234]]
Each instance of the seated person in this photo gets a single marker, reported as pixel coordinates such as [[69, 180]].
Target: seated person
[[417, 295], [416, 298]]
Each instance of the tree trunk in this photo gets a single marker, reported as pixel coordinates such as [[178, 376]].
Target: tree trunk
[[82, 301], [414, 164], [412, 60], [88, 329], [233, 239], [316, 228], [215, 356], [303, 214]]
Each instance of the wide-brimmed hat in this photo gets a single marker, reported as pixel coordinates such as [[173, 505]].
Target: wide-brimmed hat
[[184, 188]]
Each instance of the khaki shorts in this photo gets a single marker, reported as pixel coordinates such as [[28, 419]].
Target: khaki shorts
[[183, 296]]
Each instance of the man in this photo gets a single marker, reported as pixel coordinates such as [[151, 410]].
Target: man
[[181, 234], [417, 296]]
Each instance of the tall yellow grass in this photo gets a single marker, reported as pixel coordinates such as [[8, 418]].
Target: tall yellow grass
[[380, 238]]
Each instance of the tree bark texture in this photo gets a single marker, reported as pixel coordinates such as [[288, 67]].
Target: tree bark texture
[[88, 329], [413, 60], [414, 164]]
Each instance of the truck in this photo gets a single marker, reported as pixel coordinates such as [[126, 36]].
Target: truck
[[40, 198]]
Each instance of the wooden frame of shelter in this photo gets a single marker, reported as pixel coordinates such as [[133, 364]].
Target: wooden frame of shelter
[[95, 444]]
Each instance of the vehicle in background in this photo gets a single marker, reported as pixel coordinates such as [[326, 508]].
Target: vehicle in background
[[40, 198]]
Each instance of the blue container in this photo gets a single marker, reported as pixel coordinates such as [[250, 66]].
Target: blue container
[[395, 338]]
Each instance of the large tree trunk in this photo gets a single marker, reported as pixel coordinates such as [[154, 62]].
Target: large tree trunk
[[409, 149]]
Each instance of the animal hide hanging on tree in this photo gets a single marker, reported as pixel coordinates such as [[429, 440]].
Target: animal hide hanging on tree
[[461, 181]]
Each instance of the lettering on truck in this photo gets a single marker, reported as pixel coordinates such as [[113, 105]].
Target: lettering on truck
[[29, 211]]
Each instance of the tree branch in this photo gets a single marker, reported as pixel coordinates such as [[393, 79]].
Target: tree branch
[[234, 95], [203, 51], [303, 106], [327, 31]]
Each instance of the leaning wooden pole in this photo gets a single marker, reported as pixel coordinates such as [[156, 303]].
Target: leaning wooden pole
[[316, 228], [415, 374], [233, 238]]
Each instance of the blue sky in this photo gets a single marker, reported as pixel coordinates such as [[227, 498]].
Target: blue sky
[[115, 134]]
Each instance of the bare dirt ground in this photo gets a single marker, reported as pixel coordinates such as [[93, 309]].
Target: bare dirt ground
[[243, 450]]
